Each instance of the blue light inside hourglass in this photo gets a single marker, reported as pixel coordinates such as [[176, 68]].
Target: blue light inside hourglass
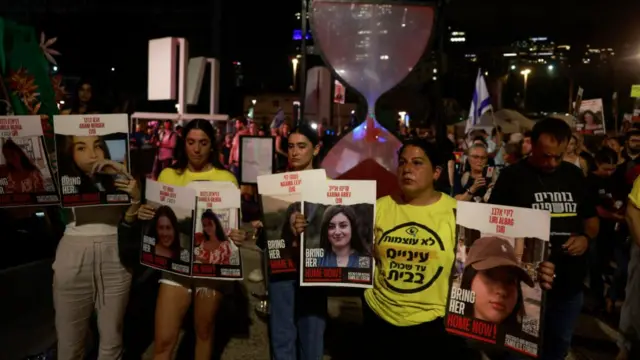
[[360, 132]]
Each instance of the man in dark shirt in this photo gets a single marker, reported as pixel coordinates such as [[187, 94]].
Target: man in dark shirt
[[543, 181], [609, 207]]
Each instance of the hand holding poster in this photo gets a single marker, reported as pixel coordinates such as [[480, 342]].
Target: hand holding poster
[[280, 197], [494, 295], [338, 241], [25, 172], [167, 239], [215, 256], [92, 155]]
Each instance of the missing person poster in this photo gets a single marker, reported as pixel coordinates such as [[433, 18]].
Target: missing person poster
[[92, 152], [495, 296], [25, 171], [168, 237], [590, 119], [280, 199], [215, 256], [337, 243]]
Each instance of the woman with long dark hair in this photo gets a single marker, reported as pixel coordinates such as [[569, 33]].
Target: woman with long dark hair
[[572, 155], [197, 161], [213, 245], [297, 315], [164, 229], [340, 238], [79, 156], [397, 311], [88, 272], [83, 101], [21, 174]]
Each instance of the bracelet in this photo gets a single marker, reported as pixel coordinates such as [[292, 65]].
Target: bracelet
[[137, 202]]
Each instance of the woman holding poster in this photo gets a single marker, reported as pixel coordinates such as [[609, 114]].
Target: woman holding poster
[[197, 161], [297, 314], [88, 273], [415, 246]]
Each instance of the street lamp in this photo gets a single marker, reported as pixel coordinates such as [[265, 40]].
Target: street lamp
[[525, 73], [254, 101], [294, 63]]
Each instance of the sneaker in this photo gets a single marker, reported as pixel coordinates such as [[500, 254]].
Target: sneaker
[[255, 276]]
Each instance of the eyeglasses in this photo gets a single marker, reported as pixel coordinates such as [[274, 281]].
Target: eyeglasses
[[478, 157]]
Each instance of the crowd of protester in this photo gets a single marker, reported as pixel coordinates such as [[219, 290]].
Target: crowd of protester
[[595, 237], [599, 172]]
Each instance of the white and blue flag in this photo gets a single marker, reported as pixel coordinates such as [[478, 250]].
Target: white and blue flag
[[480, 104]]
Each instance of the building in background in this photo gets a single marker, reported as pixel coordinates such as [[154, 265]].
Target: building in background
[[598, 56]]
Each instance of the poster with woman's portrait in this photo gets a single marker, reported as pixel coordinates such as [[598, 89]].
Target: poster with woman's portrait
[[92, 151], [590, 119], [280, 199], [495, 296], [167, 239], [337, 245], [215, 256], [25, 171]]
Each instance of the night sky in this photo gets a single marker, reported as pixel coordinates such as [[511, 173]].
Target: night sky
[[258, 33], [491, 22]]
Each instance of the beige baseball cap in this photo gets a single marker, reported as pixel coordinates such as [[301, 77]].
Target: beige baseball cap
[[491, 252]]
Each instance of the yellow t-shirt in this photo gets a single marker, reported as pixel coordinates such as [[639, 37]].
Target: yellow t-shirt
[[172, 177], [634, 195], [415, 246]]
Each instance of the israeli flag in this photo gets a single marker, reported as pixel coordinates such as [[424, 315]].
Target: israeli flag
[[480, 104]]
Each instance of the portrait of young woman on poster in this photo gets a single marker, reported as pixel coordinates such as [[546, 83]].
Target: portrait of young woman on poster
[[214, 245], [492, 272], [340, 238], [89, 159], [164, 229], [21, 173]]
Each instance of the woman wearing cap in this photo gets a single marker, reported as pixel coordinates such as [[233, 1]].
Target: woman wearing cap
[[491, 271]]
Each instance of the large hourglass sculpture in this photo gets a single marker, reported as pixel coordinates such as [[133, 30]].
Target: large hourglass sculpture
[[371, 46]]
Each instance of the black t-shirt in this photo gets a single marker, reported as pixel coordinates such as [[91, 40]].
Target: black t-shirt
[[606, 198], [563, 193]]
